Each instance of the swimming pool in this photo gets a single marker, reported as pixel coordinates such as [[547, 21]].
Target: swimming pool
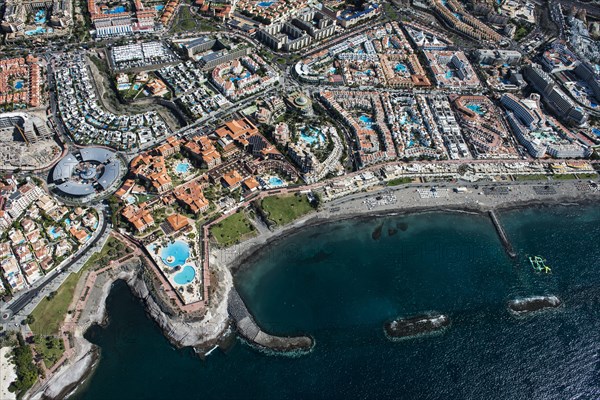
[[186, 275], [400, 67], [596, 131], [130, 199], [368, 121], [159, 7], [239, 78], [449, 74], [275, 181], [265, 4], [53, 233], [311, 135], [116, 10], [37, 31], [476, 108], [19, 84], [40, 17], [175, 253], [182, 168]]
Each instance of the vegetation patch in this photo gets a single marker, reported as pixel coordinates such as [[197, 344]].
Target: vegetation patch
[[535, 177], [45, 320], [27, 371], [285, 209], [232, 229], [399, 181]]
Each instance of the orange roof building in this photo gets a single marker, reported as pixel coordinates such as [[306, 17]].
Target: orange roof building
[[177, 222], [138, 216], [153, 171], [191, 196], [232, 179], [250, 184], [202, 149]]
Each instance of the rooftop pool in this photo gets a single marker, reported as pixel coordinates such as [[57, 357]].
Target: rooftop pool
[[186, 275], [19, 84], [175, 253]]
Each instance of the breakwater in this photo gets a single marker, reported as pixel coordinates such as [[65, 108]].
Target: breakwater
[[534, 303], [502, 234], [249, 329]]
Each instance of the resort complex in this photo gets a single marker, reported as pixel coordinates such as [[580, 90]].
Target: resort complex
[[164, 143]]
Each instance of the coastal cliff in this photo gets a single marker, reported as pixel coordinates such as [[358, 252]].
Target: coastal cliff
[[201, 334]]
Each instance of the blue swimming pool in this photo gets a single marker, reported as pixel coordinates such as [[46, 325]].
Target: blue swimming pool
[[265, 4], [596, 131], [40, 17], [182, 168], [131, 199], [477, 108], [19, 84], [368, 121], [37, 31], [175, 253], [67, 222], [116, 10], [186, 275], [400, 67], [449, 74], [311, 135], [159, 7], [239, 78], [275, 181], [53, 233]]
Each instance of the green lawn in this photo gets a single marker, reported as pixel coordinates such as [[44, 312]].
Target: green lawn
[[49, 314], [574, 176], [232, 229], [284, 209], [399, 181], [536, 177], [186, 21]]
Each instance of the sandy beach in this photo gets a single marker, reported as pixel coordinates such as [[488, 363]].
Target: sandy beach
[[407, 199], [8, 374]]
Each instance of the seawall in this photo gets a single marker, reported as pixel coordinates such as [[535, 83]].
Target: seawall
[[249, 329]]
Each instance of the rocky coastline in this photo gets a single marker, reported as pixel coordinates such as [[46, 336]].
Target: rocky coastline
[[203, 335]]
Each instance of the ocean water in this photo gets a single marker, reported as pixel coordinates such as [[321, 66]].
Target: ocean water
[[340, 282]]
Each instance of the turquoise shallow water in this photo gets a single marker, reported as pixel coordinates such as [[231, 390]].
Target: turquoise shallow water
[[339, 284]]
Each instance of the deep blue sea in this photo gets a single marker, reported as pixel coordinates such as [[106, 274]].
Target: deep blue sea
[[339, 283]]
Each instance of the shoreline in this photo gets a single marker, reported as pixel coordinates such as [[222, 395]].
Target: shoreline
[[250, 250], [227, 263]]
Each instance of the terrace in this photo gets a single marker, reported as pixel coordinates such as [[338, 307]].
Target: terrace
[[178, 261]]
